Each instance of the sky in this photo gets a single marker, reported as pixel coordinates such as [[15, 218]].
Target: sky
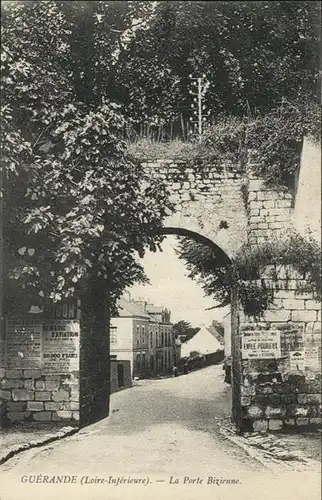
[[171, 288]]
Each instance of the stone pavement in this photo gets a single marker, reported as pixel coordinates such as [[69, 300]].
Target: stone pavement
[[16, 439], [297, 451]]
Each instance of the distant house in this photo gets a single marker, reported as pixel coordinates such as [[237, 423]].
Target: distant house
[[204, 342], [217, 330], [129, 336], [143, 335]]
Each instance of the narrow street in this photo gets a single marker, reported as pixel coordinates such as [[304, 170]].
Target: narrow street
[[165, 432]]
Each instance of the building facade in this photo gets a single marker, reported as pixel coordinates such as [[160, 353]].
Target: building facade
[[143, 334]]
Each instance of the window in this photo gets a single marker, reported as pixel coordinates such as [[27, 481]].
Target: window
[[151, 339], [143, 335], [113, 334]]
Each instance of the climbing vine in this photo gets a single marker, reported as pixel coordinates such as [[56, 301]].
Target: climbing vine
[[247, 272], [275, 140]]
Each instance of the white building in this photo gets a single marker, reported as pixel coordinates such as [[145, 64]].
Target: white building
[[202, 342]]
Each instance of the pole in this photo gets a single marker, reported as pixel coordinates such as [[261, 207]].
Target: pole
[[199, 109]]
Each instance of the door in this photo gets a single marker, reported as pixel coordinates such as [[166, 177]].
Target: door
[[120, 375]]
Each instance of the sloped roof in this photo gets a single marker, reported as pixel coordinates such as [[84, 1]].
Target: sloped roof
[[214, 332], [129, 310], [203, 342]]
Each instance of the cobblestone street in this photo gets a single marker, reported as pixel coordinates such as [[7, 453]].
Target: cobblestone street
[[168, 432]]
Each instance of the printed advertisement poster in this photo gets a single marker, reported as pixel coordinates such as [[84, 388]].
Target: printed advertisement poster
[[24, 342], [259, 344], [61, 346]]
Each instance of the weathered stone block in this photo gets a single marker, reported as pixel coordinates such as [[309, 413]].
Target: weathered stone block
[[52, 385], [269, 204], [260, 425], [302, 399], [256, 185], [43, 395], [35, 406], [283, 203], [275, 425], [302, 421], [260, 399], [302, 411], [74, 405], [314, 398], [74, 395], [246, 390], [22, 395], [53, 405], [312, 304], [264, 389], [17, 416], [254, 411], [14, 374], [62, 415], [75, 416], [287, 399], [275, 411], [60, 396], [14, 406], [43, 416], [306, 315], [5, 395], [289, 422], [252, 196], [29, 384], [274, 399], [277, 315], [293, 303], [315, 420], [13, 383], [40, 385], [32, 373], [2, 373]]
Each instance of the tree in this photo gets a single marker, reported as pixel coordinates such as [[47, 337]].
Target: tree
[[203, 265], [184, 328], [255, 54], [244, 272], [77, 208]]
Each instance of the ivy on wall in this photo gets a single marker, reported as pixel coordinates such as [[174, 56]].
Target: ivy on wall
[[247, 271], [274, 140]]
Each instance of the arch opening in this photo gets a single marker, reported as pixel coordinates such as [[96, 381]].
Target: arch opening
[[179, 231]]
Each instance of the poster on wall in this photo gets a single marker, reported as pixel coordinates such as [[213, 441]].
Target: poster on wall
[[313, 358], [261, 344], [24, 342], [61, 346], [297, 360]]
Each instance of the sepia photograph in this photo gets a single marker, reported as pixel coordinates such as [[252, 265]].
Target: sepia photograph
[[160, 250]]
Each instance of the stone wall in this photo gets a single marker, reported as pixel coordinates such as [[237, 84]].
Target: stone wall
[[29, 395], [39, 376], [208, 200], [286, 391], [269, 212]]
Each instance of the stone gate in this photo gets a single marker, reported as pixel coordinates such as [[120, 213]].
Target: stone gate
[[227, 207], [231, 207]]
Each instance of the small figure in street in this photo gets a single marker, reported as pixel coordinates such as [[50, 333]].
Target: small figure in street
[[185, 368], [174, 371]]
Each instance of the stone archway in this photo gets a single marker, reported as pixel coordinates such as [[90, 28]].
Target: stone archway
[[223, 259]]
